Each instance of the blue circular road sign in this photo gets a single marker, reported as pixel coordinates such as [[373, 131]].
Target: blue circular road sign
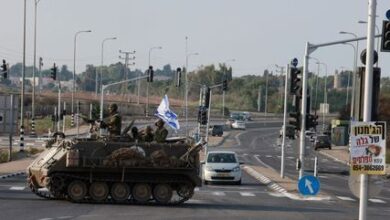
[[309, 185], [388, 14], [294, 62]]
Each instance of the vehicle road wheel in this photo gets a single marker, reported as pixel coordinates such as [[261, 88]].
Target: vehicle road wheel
[[120, 192], [162, 193], [330, 148], [98, 191], [238, 182], [77, 190], [185, 191], [315, 148], [141, 192], [205, 182]]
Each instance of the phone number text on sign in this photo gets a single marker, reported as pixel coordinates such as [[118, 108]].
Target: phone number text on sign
[[368, 148]]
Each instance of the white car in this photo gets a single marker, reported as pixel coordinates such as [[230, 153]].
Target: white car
[[238, 124], [221, 166]]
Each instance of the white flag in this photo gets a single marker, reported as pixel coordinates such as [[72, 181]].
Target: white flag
[[166, 114]]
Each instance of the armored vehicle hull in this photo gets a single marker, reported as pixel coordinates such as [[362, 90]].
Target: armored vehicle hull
[[117, 171]]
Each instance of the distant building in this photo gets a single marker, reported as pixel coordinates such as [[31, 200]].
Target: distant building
[[336, 81]]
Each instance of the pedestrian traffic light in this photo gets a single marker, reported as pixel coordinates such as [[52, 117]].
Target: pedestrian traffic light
[[178, 77], [202, 115], [385, 37], [224, 85], [150, 74], [295, 79], [296, 120], [53, 72], [311, 121], [4, 69]]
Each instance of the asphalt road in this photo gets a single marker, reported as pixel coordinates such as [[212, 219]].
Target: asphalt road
[[252, 200]]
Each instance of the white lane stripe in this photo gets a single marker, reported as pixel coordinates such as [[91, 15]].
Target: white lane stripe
[[268, 156], [196, 189], [218, 193], [195, 201], [345, 198], [377, 201], [19, 188], [247, 194]]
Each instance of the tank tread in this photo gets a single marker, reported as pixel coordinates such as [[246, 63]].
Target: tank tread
[[60, 195]]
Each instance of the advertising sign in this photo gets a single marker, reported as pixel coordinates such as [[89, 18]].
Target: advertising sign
[[368, 148]]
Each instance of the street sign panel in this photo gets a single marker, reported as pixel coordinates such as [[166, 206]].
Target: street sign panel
[[388, 14], [368, 148], [294, 62], [309, 185], [5, 114]]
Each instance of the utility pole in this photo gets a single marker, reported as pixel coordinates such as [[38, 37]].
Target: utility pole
[[266, 95], [40, 74], [282, 159], [126, 58]]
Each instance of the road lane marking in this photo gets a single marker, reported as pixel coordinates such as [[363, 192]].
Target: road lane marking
[[264, 164], [346, 198], [247, 194], [377, 201], [18, 188], [218, 193]]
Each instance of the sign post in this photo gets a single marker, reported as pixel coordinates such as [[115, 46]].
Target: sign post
[[368, 148]]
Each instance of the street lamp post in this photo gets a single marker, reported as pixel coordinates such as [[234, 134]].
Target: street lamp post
[[147, 84], [281, 70], [325, 96], [223, 91], [74, 72], [186, 89], [316, 82], [101, 64], [266, 96], [21, 143], [33, 73], [354, 73]]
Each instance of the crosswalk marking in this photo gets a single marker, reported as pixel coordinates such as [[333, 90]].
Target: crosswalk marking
[[345, 198], [219, 193], [377, 201], [18, 188], [247, 194]]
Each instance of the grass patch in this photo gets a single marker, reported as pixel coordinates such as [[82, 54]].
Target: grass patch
[[16, 155]]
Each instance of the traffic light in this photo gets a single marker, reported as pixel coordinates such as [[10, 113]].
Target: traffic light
[[4, 69], [311, 121], [385, 37], [296, 120], [224, 85], [207, 98], [202, 115], [53, 72], [178, 77], [150, 74], [295, 79]]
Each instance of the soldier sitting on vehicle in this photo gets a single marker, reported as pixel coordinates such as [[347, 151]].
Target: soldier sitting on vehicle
[[161, 133], [147, 134], [113, 122]]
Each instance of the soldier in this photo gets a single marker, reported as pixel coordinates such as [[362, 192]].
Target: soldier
[[113, 122], [161, 132], [147, 134]]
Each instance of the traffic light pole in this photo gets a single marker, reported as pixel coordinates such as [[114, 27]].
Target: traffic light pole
[[208, 124], [282, 160]]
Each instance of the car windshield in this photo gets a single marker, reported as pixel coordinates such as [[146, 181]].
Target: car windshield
[[221, 158], [323, 138]]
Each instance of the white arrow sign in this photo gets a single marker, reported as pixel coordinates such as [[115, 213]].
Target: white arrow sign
[[308, 185]]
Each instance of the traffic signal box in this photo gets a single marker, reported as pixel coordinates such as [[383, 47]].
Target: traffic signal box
[[202, 115], [53, 72], [178, 77], [4, 69], [295, 85], [150, 74], [385, 47], [224, 85]]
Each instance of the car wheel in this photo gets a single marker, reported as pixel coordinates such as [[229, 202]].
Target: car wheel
[[316, 148], [330, 148], [205, 182], [238, 182]]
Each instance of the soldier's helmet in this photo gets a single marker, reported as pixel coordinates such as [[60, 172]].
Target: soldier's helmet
[[113, 107]]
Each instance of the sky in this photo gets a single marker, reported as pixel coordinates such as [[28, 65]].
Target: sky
[[257, 34]]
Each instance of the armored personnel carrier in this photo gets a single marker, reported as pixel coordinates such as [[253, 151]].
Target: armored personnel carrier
[[117, 170]]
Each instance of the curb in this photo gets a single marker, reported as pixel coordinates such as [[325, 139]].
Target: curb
[[276, 187], [334, 158], [12, 175]]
